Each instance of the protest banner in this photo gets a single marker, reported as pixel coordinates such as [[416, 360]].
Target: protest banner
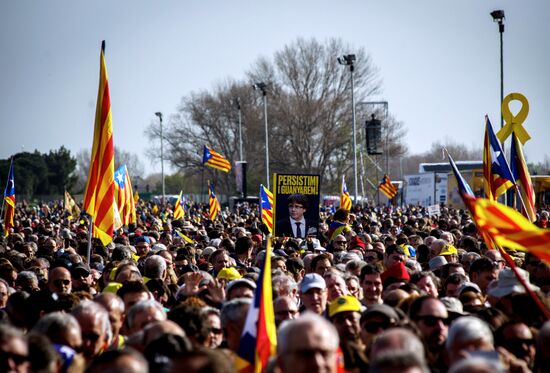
[[296, 200]]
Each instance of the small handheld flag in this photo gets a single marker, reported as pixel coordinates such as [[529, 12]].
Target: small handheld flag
[[387, 187], [345, 199], [71, 207], [259, 337], [497, 175], [213, 203], [179, 210], [215, 160], [9, 198], [124, 196], [266, 207]]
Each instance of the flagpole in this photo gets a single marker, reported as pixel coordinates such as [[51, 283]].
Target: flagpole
[[89, 250]]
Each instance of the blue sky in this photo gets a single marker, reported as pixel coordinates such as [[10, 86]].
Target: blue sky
[[439, 61]]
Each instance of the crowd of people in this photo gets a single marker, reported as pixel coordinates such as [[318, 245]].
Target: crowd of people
[[390, 290]]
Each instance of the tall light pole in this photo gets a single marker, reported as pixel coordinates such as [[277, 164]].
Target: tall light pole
[[498, 16], [261, 86], [348, 60], [238, 105], [159, 114]]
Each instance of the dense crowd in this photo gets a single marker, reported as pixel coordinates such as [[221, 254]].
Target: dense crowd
[[395, 290]]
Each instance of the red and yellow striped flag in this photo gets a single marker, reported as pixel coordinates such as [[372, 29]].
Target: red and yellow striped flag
[[510, 229], [99, 197], [213, 202], [345, 199], [179, 211], [215, 160], [266, 207], [387, 187]]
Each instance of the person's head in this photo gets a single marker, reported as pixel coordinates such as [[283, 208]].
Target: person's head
[[127, 272], [132, 292], [468, 334], [212, 321], [155, 267], [339, 243], [115, 307], [345, 312], [143, 313], [244, 246], [125, 360], [398, 362], [517, 338], [453, 283], [482, 272], [354, 286], [219, 260], [307, 344], [496, 257], [427, 282], [297, 206], [14, 350], [4, 293], [60, 328], [336, 285], [233, 316], [397, 339], [313, 293], [95, 326], [285, 308], [143, 246], [321, 263], [432, 319], [394, 254], [375, 319], [240, 288], [26, 281], [59, 280], [371, 283]]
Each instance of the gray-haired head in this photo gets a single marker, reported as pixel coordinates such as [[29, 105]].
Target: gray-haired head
[[308, 320], [397, 339], [143, 306], [467, 330], [155, 267], [234, 310], [88, 308], [55, 324]]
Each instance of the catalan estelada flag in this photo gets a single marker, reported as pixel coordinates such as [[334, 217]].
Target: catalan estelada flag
[[496, 173], [99, 196], [345, 200], [259, 337], [179, 209], [523, 178], [508, 228], [215, 160], [387, 187], [124, 196], [9, 199], [266, 207], [71, 207], [213, 203]]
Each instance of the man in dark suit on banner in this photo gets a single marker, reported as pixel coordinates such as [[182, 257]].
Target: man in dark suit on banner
[[295, 225]]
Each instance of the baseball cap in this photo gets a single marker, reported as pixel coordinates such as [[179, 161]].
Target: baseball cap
[[240, 282], [345, 303], [312, 281], [229, 273]]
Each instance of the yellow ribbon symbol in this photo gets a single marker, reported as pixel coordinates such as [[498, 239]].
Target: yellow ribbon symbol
[[514, 123]]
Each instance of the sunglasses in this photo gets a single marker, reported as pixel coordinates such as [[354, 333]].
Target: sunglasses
[[375, 327], [92, 337], [216, 330], [371, 258], [432, 321], [59, 283], [516, 343], [16, 358], [340, 242]]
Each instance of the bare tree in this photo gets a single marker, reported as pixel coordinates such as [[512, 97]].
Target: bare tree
[[309, 115]]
